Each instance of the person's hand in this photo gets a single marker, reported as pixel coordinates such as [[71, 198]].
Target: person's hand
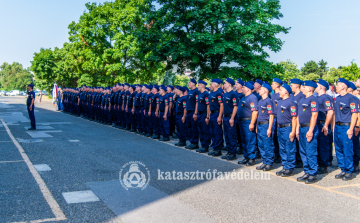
[[149, 113], [325, 130], [183, 119], [349, 132], [30, 108], [231, 121], [219, 119], [207, 121], [251, 127], [165, 117], [309, 136], [297, 134], [292, 136], [268, 133], [195, 117]]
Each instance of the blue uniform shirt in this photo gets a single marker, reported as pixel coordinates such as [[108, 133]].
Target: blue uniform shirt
[[203, 101], [230, 101], [154, 101], [296, 98], [344, 107], [239, 96], [163, 101], [142, 99], [138, 99], [131, 99], [30, 97], [326, 103], [181, 104], [215, 99], [286, 109], [306, 107], [257, 95], [191, 102], [147, 100], [247, 105], [275, 98], [265, 108]]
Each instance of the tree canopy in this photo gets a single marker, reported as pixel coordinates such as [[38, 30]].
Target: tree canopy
[[14, 77]]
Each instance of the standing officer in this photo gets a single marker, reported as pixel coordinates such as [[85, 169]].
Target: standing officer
[[148, 128], [238, 86], [345, 109], [127, 124], [153, 111], [287, 122], [216, 113], [181, 116], [275, 85], [325, 116], [202, 110], [192, 127], [307, 132], [265, 128], [247, 114], [169, 93], [257, 85], [137, 108], [30, 103], [230, 109], [356, 139], [295, 85], [163, 108]]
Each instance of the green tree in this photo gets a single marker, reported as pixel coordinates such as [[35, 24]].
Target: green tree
[[332, 75], [351, 72], [14, 77], [309, 67], [322, 71], [206, 36], [289, 71]]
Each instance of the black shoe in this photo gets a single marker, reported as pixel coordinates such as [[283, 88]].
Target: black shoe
[[210, 153], [311, 180], [175, 136], [192, 146], [340, 175], [148, 135], [322, 170], [330, 164], [280, 172], [299, 164], [258, 155], [31, 128], [217, 153], [231, 157], [287, 173], [244, 161], [164, 139], [250, 163], [132, 130], [224, 157], [202, 150], [268, 168], [180, 144], [239, 151], [156, 137], [261, 167], [278, 159], [348, 176], [356, 168], [303, 178]]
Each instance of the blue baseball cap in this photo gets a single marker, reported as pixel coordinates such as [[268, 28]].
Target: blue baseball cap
[[249, 85], [163, 87], [296, 81], [277, 80], [267, 86], [323, 83], [30, 85], [186, 88], [181, 88], [240, 81], [230, 81], [287, 87], [310, 84], [127, 84], [202, 82]]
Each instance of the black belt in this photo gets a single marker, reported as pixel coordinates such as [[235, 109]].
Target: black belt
[[304, 125], [320, 122], [227, 115], [162, 111], [342, 123], [179, 113], [201, 112], [215, 111], [284, 125], [263, 123], [243, 119], [137, 106], [146, 109], [190, 111]]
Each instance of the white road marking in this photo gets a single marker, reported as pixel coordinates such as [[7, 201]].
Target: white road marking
[[74, 140], [42, 167], [40, 134], [55, 208], [15, 161], [41, 127], [80, 197]]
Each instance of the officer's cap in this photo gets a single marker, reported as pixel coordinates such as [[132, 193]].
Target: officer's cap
[[287, 87], [172, 88], [259, 81], [127, 84], [342, 80], [202, 82], [208, 89], [352, 85], [251, 82], [296, 81], [30, 85], [133, 87], [230, 81], [218, 81], [310, 84], [156, 87], [239, 81], [267, 86], [323, 83], [186, 88], [249, 85], [163, 87], [193, 80], [181, 89], [277, 80]]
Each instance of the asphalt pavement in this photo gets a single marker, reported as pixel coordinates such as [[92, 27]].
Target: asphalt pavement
[[68, 170]]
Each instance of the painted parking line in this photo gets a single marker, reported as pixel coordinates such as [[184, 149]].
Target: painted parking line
[[15, 161], [55, 208]]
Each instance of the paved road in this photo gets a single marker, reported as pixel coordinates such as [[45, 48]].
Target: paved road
[[68, 171]]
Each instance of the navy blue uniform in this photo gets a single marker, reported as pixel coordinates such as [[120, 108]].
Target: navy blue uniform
[[148, 128], [239, 96], [230, 101], [203, 128], [181, 126], [155, 120], [137, 113], [247, 105], [356, 141], [266, 144], [286, 109], [30, 97], [192, 127], [275, 98], [172, 116], [296, 99], [215, 99], [164, 124], [308, 150]]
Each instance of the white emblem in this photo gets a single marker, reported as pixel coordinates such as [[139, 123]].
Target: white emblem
[[134, 177]]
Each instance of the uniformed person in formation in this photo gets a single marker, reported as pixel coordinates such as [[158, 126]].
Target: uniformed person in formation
[[288, 123], [30, 104]]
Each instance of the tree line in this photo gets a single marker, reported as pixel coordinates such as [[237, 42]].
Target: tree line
[[14, 77]]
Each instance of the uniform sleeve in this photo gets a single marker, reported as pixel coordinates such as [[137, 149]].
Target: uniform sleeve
[[254, 104], [328, 105], [170, 98], [314, 105], [184, 104], [220, 98], [293, 109], [196, 97], [166, 100], [234, 101], [354, 105], [157, 100], [270, 107]]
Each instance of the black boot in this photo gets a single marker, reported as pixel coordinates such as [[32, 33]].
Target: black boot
[[250, 162], [340, 175], [156, 137], [217, 153], [261, 167], [244, 161], [311, 180], [280, 172], [287, 173], [268, 167], [303, 178], [322, 170], [348, 176], [202, 150], [231, 157], [180, 144]]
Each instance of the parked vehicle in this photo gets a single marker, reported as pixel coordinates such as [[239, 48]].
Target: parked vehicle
[[12, 93], [23, 93], [2, 92]]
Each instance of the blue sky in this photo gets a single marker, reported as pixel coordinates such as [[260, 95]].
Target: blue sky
[[320, 29]]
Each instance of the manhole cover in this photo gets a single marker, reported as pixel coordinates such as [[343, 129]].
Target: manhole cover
[[30, 140]]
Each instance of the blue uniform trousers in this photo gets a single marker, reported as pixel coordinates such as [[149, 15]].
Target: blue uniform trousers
[[137, 116], [266, 144], [344, 148], [216, 132], [356, 149], [32, 116], [204, 131], [331, 141], [192, 128], [324, 147], [230, 135], [155, 123], [287, 149], [164, 125], [181, 128], [248, 139], [172, 120], [308, 150], [276, 140], [142, 120]]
